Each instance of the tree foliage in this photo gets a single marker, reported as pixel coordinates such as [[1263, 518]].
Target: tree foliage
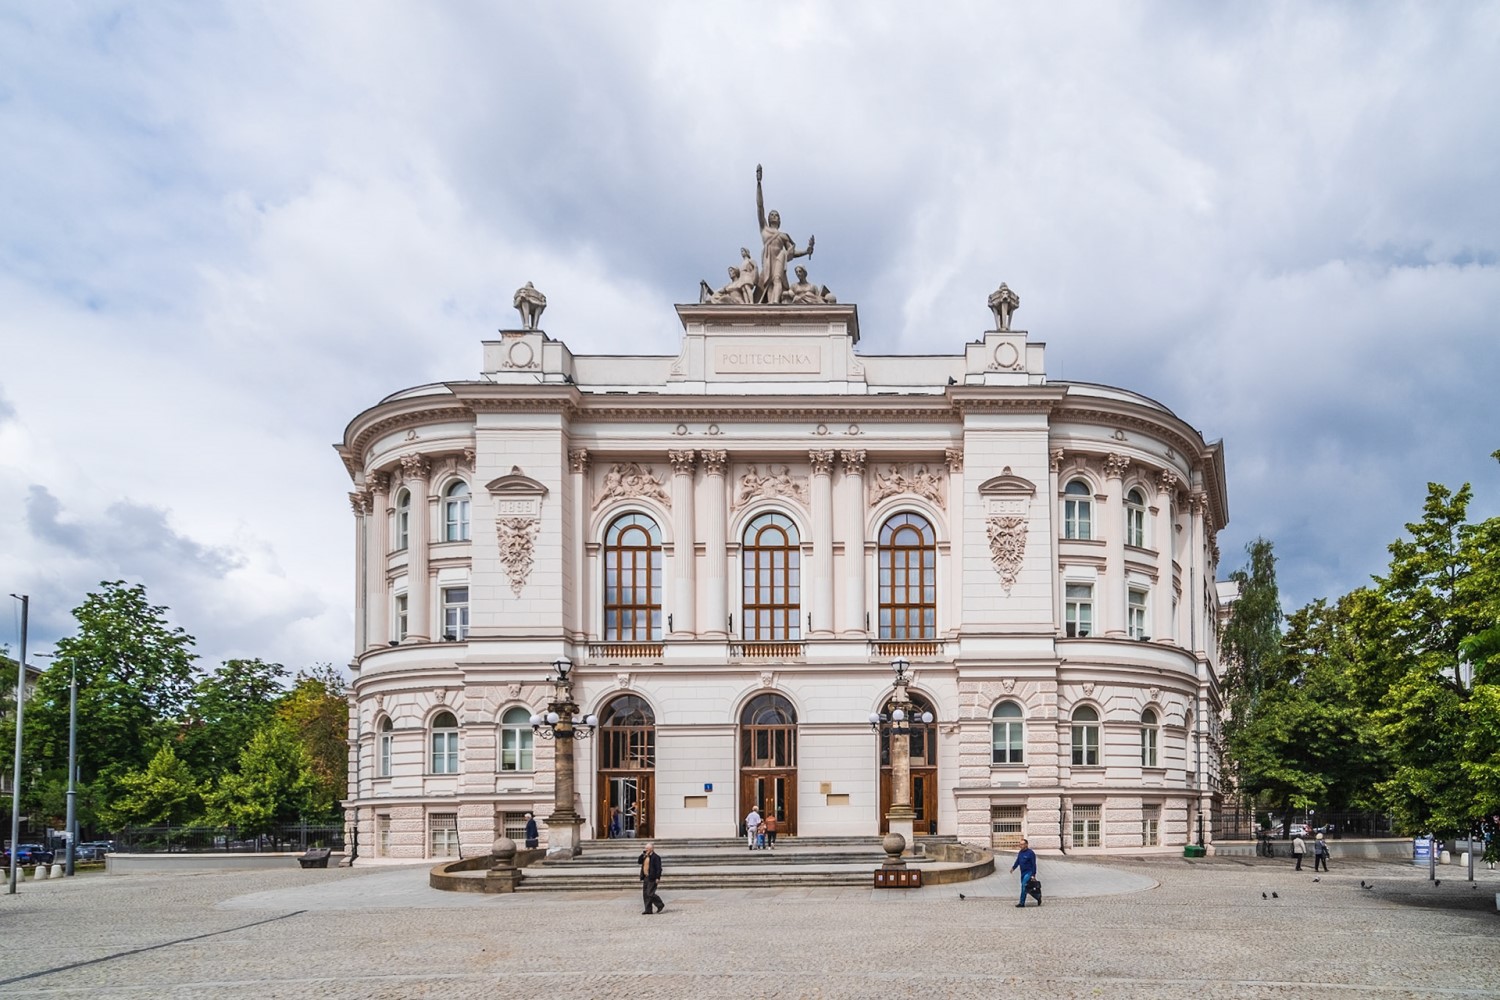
[[228, 707], [162, 793], [275, 784]]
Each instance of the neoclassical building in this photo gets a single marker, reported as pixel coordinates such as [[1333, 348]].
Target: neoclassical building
[[731, 545]]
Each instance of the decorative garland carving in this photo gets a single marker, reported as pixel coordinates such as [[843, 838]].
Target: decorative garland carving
[[1007, 536], [517, 537], [630, 480], [772, 484], [907, 479]]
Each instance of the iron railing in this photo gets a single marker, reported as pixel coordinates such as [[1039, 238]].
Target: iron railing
[[211, 839]]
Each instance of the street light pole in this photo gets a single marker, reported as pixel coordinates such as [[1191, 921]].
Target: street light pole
[[563, 724], [72, 826], [901, 817], [15, 788]]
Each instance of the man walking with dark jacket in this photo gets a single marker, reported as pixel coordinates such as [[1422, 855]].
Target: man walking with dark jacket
[[1026, 861], [650, 863]]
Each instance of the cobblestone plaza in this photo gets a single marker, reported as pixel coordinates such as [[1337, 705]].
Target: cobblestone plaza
[[1123, 928]]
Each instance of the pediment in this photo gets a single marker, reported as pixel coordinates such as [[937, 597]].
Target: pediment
[[515, 485], [1007, 484]]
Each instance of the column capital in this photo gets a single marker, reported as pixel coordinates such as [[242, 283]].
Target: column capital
[[578, 459], [1056, 460], [360, 501], [682, 461], [1115, 466], [471, 459], [854, 461], [1198, 502], [378, 482], [715, 461], [1167, 482], [955, 459], [822, 461], [415, 466]]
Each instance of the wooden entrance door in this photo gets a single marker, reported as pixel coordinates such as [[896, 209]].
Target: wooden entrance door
[[923, 799], [630, 792], [771, 793]]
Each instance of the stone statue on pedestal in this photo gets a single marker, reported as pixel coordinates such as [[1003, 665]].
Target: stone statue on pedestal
[[1003, 302], [529, 303], [777, 250], [805, 292]]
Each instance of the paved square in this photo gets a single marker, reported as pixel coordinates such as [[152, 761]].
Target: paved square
[[1143, 928]]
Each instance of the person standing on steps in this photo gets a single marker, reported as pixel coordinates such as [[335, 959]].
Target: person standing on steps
[[752, 826], [1299, 848], [770, 823], [650, 863], [1320, 853], [1026, 861]]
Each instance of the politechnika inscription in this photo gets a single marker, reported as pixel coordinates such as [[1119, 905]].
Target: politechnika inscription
[[767, 360]]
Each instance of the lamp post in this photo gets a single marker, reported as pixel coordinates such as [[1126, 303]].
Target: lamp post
[[563, 723], [898, 714], [15, 789], [72, 828]]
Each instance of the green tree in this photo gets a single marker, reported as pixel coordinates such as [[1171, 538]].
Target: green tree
[[274, 784], [1251, 644], [135, 677], [316, 710], [228, 707], [163, 793]]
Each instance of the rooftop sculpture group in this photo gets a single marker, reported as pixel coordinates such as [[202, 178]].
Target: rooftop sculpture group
[[767, 283]]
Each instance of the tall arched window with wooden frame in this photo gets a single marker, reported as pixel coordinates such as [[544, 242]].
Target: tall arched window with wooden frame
[[907, 555], [632, 580], [772, 571]]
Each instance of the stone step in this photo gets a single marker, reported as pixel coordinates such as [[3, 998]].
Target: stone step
[[597, 882], [740, 856], [872, 842]]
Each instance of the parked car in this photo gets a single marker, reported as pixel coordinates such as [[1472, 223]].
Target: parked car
[[29, 854]]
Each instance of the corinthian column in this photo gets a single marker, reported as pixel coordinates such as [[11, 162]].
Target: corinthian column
[[583, 608], [377, 630], [419, 614], [1198, 508], [1113, 522], [359, 502], [854, 543], [684, 560], [1161, 525], [716, 561], [822, 531]]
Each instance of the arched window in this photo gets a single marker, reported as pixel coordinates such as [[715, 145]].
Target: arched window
[[772, 560], [386, 738], [515, 740], [627, 733], [1148, 738], [1008, 734], [1135, 518], [768, 730], [1078, 511], [402, 525], [456, 513], [632, 580], [908, 578], [1085, 737], [444, 743]]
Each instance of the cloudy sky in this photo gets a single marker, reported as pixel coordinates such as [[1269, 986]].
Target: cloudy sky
[[226, 229]]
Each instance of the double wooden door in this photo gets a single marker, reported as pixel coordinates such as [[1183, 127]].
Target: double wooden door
[[771, 793], [923, 799], [631, 794]]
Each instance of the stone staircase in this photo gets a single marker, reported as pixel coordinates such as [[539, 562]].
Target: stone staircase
[[713, 863]]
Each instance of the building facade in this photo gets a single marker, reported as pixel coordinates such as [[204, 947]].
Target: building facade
[[733, 544]]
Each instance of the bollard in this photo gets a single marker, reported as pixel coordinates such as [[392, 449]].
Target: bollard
[[57, 869], [42, 871], [1445, 858]]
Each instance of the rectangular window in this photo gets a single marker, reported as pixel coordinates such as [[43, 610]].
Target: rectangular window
[[1087, 826], [445, 751], [1078, 520], [1135, 527], [1150, 826], [1079, 620], [1148, 746], [1085, 744], [515, 748], [398, 622], [443, 835], [1135, 615], [386, 740], [456, 613], [1006, 823], [383, 836], [514, 825]]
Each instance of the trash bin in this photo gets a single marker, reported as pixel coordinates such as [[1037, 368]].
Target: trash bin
[[317, 857], [1193, 851]]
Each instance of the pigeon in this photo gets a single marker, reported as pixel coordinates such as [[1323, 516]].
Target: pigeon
[[1437, 882], [1264, 896], [1317, 880], [1362, 884], [1371, 886], [962, 896], [1274, 896]]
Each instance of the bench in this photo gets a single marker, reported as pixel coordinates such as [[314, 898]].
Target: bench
[[316, 857]]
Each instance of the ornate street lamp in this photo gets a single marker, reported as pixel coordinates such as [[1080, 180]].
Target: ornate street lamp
[[563, 723], [899, 714]]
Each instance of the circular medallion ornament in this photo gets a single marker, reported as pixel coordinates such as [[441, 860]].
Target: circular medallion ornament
[[520, 355]]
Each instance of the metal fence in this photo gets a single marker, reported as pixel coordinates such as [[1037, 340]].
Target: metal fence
[[210, 839], [1235, 821]]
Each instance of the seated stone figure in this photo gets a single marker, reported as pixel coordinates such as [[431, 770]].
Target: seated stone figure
[[805, 292]]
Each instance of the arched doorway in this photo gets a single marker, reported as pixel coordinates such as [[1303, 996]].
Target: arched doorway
[[924, 772], [627, 765], [768, 760]]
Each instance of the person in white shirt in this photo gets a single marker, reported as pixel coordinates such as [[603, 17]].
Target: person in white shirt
[[752, 823]]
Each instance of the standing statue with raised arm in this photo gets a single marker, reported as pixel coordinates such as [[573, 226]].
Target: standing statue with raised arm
[[778, 250]]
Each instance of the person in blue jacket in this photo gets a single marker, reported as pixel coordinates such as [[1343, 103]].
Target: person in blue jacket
[[1026, 861]]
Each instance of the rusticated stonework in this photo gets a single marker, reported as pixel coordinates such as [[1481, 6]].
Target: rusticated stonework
[[1007, 536], [631, 480], [899, 479], [517, 537]]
